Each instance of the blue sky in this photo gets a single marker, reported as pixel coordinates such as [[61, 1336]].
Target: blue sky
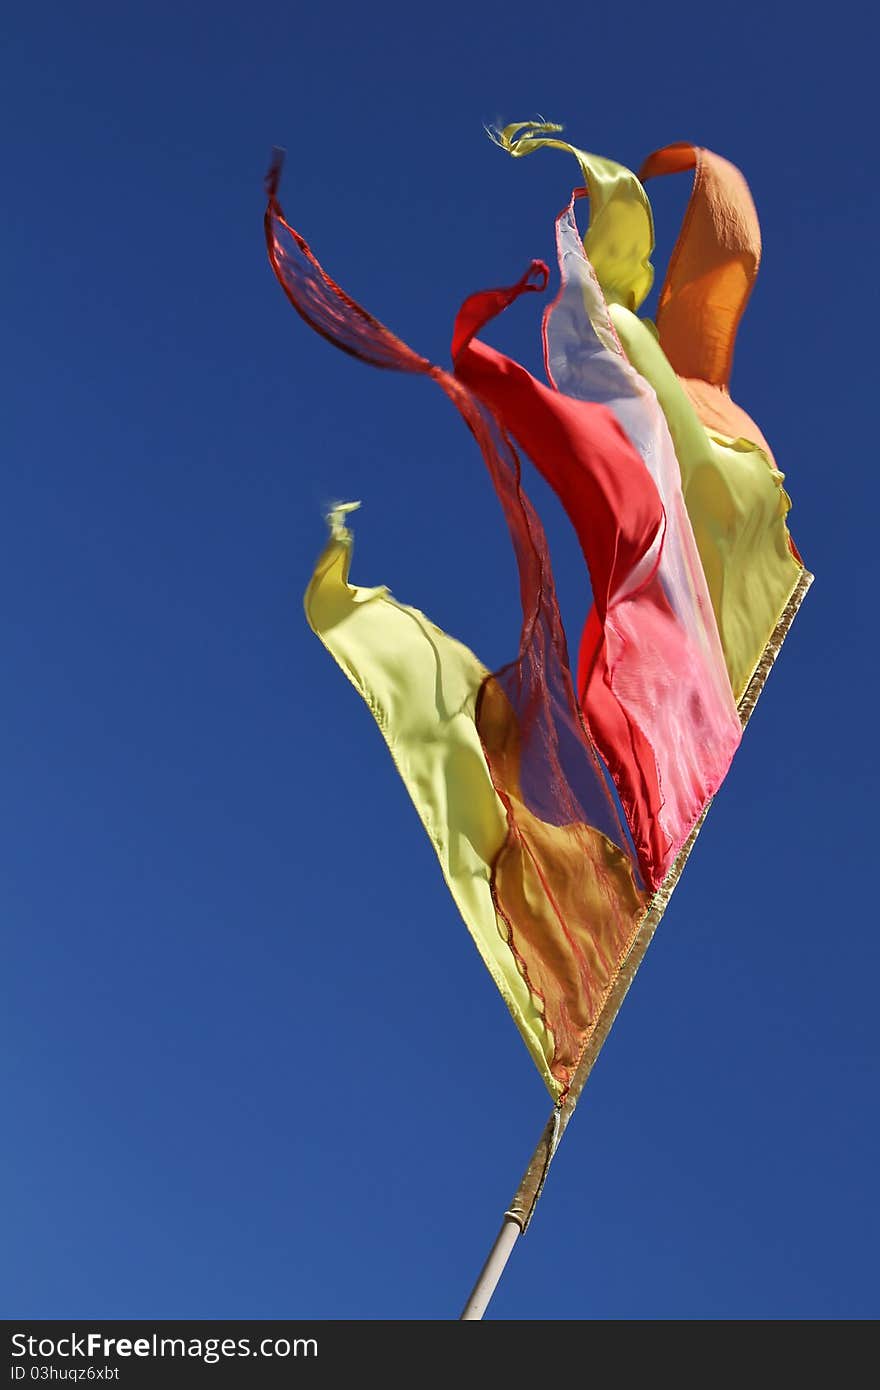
[[230, 962]]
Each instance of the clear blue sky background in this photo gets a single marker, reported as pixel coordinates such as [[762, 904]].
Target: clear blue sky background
[[229, 961]]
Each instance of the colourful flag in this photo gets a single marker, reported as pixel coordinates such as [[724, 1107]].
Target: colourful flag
[[512, 772], [653, 688], [732, 488]]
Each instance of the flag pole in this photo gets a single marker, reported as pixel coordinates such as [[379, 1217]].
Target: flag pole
[[492, 1270], [522, 1208]]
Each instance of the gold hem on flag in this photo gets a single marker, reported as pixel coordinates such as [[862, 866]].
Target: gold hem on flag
[[524, 1202]]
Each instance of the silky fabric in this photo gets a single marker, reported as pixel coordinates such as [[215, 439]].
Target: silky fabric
[[683, 696], [421, 687], [660, 710], [737, 506], [711, 273], [620, 237], [731, 486], [567, 904]]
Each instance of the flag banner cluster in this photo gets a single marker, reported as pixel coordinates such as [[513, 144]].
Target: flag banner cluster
[[559, 801]]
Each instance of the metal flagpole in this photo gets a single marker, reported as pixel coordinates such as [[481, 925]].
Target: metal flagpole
[[492, 1270], [522, 1208]]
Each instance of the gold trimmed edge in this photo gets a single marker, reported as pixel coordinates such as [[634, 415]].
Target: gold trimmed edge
[[525, 1200]]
